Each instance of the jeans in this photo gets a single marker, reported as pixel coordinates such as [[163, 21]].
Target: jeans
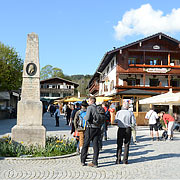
[[123, 135], [57, 120], [91, 134]]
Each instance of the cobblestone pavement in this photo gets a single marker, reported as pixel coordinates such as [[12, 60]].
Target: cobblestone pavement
[[147, 159]]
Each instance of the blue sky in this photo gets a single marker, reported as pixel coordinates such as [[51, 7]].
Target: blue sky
[[75, 34]]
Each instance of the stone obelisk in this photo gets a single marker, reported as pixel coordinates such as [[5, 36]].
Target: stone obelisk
[[29, 128]]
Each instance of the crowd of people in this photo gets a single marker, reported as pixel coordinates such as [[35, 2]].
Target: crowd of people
[[89, 123]]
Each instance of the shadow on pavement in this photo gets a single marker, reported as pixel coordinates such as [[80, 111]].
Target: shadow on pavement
[[153, 158], [6, 125]]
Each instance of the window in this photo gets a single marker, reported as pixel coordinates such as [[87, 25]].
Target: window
[[55, 95], [175, 82], [53, 86], [153, 62], [44, 94], [132, 61], [107, 69], [176, 62], [105, 87], [112, 85], [41, 86], [133, 82], [154, 82], [112, 64]]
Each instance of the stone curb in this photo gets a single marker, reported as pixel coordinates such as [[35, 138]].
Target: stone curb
[[39, 158]]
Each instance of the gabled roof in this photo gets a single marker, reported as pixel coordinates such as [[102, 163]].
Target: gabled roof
[[137, 92], [61, 79], [145, 39], [108, 55]]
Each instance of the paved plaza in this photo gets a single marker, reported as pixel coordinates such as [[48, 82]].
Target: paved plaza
[[147, 159]]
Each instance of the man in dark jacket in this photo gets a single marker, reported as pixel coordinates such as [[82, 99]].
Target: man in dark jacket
[[92, 133]]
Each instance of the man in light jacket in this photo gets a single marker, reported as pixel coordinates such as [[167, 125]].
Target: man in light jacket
[[125, 121], [152, 116]]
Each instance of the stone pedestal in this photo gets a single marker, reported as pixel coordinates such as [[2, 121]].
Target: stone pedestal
[[29, 135], [29, 128]]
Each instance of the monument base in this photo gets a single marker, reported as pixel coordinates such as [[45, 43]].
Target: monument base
[[29, 135]]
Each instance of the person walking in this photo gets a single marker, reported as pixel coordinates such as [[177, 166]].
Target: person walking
[[57, 115], [52, 109], [125, 121], [152, 116], [68, 114], [107, 120], [169, 123], [76, 108], [80, 123], [133, 127], [92, 133]]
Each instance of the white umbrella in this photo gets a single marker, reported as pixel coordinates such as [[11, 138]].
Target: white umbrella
[[163, 99]]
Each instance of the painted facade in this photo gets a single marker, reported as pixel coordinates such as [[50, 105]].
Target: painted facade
[[143, 68]]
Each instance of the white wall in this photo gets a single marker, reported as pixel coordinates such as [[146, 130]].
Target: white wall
[[111, 75]]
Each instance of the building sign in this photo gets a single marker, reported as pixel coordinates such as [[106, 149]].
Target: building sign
[[157, 70], [156, 47]]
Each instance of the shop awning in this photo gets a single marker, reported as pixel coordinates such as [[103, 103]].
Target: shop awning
[[72, 99], [102, 99]]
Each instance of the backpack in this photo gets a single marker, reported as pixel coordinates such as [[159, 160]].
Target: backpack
[[82, 114], [99, 117], [164, 135], [107, 115]]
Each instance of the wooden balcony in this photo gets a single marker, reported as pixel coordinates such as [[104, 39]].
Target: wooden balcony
[[149, 88], [94, 88]]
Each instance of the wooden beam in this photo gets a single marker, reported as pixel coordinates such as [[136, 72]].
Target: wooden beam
[[169, 58], [137, 105]]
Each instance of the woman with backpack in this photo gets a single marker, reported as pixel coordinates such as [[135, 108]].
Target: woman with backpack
[[80, 124]]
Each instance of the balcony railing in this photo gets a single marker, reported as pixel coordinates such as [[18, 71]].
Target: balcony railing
[[154, 66]]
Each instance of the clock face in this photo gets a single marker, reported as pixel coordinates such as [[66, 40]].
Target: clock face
[[31, 69]]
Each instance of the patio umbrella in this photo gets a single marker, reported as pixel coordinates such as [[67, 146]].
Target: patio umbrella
[[162, 99], [102, 99], [72, 99], [169, 98]]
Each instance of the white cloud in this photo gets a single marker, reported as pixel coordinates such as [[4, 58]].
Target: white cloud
[[145, 20]]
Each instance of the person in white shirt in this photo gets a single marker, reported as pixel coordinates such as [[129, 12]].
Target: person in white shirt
[[57, 115], [152, 116]]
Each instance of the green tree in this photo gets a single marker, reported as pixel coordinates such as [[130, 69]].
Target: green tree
[[57, 72], [46, 72], [11, 66]]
